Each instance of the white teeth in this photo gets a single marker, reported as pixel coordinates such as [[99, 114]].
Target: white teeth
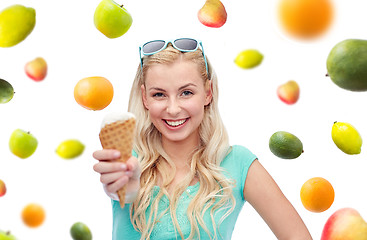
[[175, 123]]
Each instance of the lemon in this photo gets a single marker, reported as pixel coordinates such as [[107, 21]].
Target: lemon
[[346, 138], [69, 149], [80, 231], [285, 145], [249, 58], [16, 23]]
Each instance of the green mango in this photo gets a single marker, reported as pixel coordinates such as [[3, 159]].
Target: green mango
[[285, 145], [347, 64], [6, 91], [16, 23]]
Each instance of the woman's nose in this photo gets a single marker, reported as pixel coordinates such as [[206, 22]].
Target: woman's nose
[[173, 106]]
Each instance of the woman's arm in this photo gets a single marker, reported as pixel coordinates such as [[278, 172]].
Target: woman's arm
[[265, 196]]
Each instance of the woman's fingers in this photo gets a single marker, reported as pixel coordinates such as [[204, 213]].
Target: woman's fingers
[[134, 167], [109, 178], [117, 185], [107, 167], [106, 154]]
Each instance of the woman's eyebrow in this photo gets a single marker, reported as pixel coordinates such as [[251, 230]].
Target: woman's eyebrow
[[157, 89], [162, 90], [187, 85]]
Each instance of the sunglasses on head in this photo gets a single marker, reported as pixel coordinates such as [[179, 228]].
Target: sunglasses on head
[[181, 44]]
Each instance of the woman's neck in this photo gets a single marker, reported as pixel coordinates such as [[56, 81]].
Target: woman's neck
[[180, 152]]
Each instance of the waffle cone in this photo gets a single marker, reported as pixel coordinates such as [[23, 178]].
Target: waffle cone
[[119, 135]]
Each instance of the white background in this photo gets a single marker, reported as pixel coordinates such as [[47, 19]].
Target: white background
[[65, 36]]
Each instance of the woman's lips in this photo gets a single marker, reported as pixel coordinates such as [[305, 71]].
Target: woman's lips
[[176, 123]]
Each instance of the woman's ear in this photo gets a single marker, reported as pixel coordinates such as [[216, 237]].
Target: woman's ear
[[209, 92], [144, 97]]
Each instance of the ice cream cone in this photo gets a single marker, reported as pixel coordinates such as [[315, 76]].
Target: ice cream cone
[[119, 134]]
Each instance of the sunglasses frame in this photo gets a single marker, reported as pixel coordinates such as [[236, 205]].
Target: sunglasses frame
[[198, 43]]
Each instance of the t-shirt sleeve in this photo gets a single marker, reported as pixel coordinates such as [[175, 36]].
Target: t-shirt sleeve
[[242, 158]]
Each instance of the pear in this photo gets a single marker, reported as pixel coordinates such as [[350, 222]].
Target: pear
[[346, 224], [111, 19], [16, 23], [213, 14]]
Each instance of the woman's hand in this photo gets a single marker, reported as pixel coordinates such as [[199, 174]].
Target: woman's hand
[[115, 175]]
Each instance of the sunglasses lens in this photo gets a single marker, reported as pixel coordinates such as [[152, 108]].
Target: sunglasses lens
[[152, 47], [186, 44]]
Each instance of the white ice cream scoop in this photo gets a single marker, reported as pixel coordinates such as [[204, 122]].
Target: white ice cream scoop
[[116, 116]]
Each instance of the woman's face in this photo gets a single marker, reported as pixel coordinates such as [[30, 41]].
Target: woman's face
[[175, 96]]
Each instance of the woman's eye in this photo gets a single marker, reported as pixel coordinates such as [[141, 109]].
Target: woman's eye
[[187, 93], [158, 94]]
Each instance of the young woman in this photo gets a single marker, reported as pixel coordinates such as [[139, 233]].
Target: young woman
[[183, 180]]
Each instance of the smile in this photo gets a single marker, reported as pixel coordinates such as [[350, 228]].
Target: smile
[[176, 123]]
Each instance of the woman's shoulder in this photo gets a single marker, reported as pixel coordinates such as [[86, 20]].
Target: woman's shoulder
[[238, 157], [240, 151]]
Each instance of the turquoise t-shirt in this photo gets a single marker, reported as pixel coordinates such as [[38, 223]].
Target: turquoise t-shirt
[[236, 164]]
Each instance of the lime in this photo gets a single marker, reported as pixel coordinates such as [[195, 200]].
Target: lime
[[80, 231], [346, 138], [249, 58], [69, 149], [6, 91], [285, 145]]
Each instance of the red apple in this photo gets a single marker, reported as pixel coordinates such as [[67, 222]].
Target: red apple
[[288, 92], [213, 14], [36, 69], [2, 188], [345, 224]]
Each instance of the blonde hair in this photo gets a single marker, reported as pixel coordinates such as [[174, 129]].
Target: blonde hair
[[215, 191]]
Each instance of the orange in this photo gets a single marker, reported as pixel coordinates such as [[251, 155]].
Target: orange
[[33, 215], [306, 18], [317, 194], [93, 93]]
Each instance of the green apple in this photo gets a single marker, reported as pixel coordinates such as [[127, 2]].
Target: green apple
[[111, 19], [16, 23], [6, 236], [22, 144], [6, 91]]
